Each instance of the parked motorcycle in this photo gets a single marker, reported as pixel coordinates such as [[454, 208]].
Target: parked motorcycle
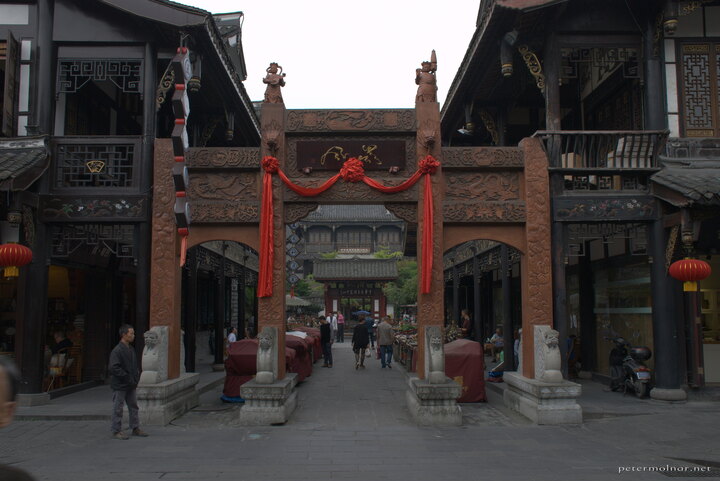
[[628, 370]]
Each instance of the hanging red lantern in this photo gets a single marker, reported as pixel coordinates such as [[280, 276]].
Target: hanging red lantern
[[13, 256], [690, 271]]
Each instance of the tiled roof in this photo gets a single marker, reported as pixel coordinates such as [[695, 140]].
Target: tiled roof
[[355, 268], [351, 213], [698, 182], [22, 161]]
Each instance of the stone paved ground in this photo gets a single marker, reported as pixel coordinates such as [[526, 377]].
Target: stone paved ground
[[354, 425]]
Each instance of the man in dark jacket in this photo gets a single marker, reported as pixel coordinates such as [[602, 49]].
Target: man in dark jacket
[[326, 341], [360, 342], [124, 378]]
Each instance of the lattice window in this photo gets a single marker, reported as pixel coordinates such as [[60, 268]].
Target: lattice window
[[125, 74], [97, 239], [94, 165], [634, 236], [699, 75]]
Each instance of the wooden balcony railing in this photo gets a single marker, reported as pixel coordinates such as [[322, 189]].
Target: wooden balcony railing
[[603, 149]]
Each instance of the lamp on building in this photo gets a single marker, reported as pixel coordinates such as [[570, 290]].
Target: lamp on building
[[670, 20], [13, 256], [690, 271]]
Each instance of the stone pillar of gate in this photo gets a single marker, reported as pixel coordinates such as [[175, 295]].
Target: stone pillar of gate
[[538, 390], [164, 398], [271, 310], [431, 305]]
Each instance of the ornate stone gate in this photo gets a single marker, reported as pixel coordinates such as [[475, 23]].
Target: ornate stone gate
[[500, 194]]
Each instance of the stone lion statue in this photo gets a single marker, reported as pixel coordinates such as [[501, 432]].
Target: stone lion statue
[[547, 355], [154, 358], [435, 355], [267, 356]]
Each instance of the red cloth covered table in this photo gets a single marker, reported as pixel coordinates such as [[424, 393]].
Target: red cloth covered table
[[241, 364], [314, 332], [464, 363], [303, 361]]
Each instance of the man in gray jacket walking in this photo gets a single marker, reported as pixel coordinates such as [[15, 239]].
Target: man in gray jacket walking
[[124, 378]]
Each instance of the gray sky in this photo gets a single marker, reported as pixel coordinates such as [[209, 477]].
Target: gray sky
[[350, 54]]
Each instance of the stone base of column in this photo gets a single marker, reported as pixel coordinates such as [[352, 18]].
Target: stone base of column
[[34, 399], [542, 402], [268, 404], [161, 403], [434, 404], [670, 395]]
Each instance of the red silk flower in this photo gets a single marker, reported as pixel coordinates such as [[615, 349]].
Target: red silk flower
[[428, 165], [352, 170], [270, 164]]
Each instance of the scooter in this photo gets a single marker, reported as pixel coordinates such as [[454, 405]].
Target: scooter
[[628, 369]]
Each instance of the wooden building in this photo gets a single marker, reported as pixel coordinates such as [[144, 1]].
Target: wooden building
[[623, 95], [87, 85]]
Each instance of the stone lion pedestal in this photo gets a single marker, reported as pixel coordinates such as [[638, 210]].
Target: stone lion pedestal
[[433, 401], [547, 399], [160, 399], [268, 400]]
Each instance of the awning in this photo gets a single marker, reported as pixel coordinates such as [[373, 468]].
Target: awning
[[22, 161], [295, 301], [355, 268], [694, 183]]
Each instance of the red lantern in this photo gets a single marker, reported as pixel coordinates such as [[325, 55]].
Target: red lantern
[[690, 271], [13, 256]]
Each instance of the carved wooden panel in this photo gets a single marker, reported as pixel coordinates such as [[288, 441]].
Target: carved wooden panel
[[406, 212], [482, 212], [59, 208], [224, 158], [490, 186], [409, 164], [221, 186], [225, 212], [579, 209], [395, 120], [295, 212], [480, 157]]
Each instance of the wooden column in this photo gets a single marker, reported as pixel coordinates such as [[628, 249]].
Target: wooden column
[[536, 263], [455, 292], [431, 308], [165, 272], [191, 314], [508, 339], [478, 333], [551, 66], [271, 310]]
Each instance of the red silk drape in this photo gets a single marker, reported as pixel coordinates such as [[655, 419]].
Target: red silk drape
[[352, 171]]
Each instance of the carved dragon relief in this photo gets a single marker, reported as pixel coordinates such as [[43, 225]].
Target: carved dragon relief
[[209, 186], [482, 212], [491, 186], [350, 120], [225, 212], [479, 157], [224, 157]]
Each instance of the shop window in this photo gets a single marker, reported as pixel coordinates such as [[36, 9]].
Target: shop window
[[699, 79]]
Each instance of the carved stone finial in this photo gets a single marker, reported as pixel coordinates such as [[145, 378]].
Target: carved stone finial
[[267, 368], [426, 81], [275, 79]]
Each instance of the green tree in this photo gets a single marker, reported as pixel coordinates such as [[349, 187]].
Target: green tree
[[403, 290]]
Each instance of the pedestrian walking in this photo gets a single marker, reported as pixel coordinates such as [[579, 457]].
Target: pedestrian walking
[[370, 325], [341, 327], [124, 378], [360, 342], [326, 341], [232, 337], [9, 384], [386, 339]]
